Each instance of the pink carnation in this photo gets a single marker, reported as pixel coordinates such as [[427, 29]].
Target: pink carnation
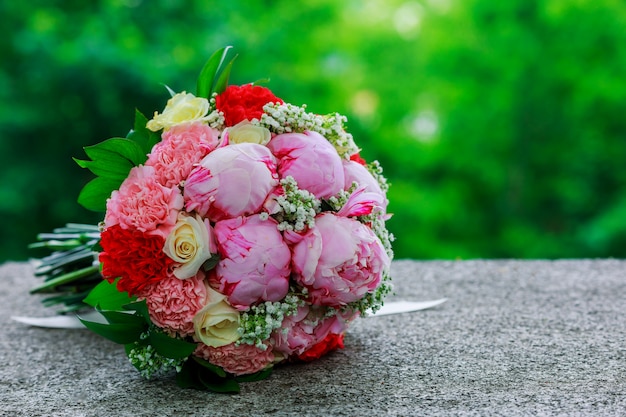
[[143, 204], [339, 260], [231, 181], [255, 264], [182, 146], [172, 303], [311, 160], [237, 360]]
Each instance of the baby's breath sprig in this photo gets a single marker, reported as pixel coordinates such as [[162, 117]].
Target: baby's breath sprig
[[287, 118], [297, 208], [376, 170], [333, 129], [257, 324], [149, 363], [336, 202]]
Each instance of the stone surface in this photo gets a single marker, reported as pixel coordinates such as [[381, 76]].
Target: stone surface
[[515, 338]]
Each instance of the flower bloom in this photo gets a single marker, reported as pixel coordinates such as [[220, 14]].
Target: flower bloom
[[331, 342], [231, 181], [356, 172], [181, 108], [173, 303], [189, 244], [255, 261], [217, 322], [246, 132], [339, 260], [237, 360], [245, 102], [305, 329], [182, 146], [311, 160], [142, 203], [136, 258]]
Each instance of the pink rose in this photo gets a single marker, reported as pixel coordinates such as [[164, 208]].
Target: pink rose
[[182, 146], [172, 303], [143, 204], [311, 160], [339, 260], [237, 360], [255, 261], [305, 329], [356, 172], [231, 181]]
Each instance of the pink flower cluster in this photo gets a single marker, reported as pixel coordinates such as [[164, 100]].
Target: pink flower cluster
[[224, 214]]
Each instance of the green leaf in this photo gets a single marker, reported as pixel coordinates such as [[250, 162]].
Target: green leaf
[[261, 81], [141, 135], [140, 307], [171, 347], [122, 333], [208, 365], [187, 377], [206, 79], [211, 263], [116, 151], [114, 169], [106, 296], [258, 376], [222, 81], [223, 385], [95, 193], [119, 317]]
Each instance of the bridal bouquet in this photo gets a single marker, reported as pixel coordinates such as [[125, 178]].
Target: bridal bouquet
[[240, 232]]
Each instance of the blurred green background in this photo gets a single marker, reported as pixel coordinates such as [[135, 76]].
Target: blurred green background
[[500, 124]]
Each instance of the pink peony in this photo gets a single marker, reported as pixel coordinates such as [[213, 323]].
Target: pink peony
[[237, 360], [305, 329], [356, 172], [182, 147], [172, 303], [362, 203], [339, 260], [143, 204], [255, 261], [231, 181], [311, 160]]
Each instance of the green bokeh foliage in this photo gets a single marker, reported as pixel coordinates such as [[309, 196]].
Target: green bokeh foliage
[[500, 125]]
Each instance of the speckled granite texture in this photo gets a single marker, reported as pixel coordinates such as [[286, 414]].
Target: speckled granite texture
[[516, 338]]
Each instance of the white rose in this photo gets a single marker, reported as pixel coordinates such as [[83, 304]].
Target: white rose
[[181, 108], [189, 244], [217, 323], [245, 131]]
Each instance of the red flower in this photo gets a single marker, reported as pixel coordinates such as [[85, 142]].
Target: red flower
[[328, 344], [135, 257], [244, 102], [357, 158]]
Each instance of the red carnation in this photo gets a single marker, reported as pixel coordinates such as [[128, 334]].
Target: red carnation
[[328, 344], [245, 102], [135, 257]]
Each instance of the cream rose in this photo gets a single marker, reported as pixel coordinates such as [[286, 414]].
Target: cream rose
[[190, 244], [217, 322], [181, 108], [247, 132]]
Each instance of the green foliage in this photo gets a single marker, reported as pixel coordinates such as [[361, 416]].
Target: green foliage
[[499, 124]]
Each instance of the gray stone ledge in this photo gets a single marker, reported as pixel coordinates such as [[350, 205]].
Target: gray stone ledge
[[515, 338]]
